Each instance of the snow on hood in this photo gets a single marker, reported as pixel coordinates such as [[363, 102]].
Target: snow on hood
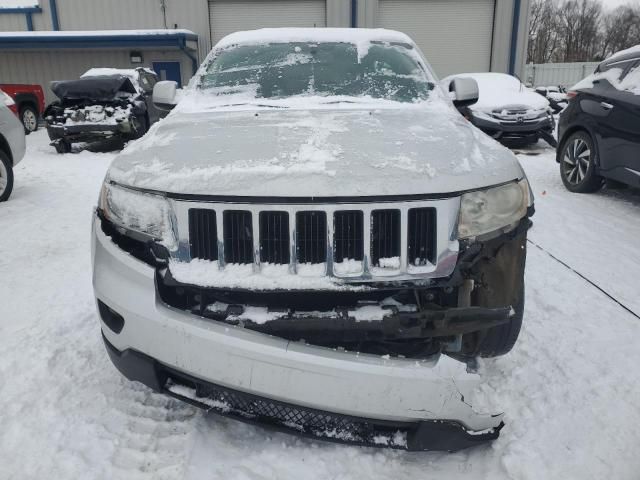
[[499, 91], [316, 152]]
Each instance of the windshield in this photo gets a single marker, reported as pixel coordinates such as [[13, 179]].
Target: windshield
[[281, 70]]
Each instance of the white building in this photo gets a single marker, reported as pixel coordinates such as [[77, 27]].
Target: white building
[[74, 35]]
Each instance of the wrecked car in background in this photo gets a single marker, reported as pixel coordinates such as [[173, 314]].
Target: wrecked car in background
[[556, 95], [104, 103], [507, 111], [336, 276]]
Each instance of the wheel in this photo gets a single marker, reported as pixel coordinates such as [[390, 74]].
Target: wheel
[[29, 118], [577, 160], [62, 146], [6, 177]]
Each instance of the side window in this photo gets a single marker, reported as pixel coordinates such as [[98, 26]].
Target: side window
[[617, 70], [630, 79]]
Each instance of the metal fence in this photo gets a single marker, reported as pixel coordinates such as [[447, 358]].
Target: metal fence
[[565, 74]]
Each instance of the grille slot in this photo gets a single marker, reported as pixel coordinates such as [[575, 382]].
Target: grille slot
[[311, 237], [348, 235], [203, 234], [421, 247], [274, 237], [238, 236], [385, 235]]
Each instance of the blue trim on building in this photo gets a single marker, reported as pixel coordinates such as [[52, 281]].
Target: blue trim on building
[[189, 53], [55, 22], [29, 19], [96, 41], [354, 13], [514, 36]]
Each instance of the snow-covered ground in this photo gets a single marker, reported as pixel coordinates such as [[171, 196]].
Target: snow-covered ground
[[570, 389]]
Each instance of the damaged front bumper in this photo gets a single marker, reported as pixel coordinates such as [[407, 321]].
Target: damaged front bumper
[[516, 131], [88, 131], [331, 394]]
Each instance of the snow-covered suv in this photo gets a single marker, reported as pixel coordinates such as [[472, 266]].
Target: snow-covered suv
[[315, 239]]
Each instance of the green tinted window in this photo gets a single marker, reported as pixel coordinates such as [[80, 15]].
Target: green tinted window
[[326, 69]]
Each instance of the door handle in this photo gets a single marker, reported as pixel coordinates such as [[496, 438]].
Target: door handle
[[606, 106]]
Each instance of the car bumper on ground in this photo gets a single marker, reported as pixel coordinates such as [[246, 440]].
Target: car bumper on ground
[[322, 392]]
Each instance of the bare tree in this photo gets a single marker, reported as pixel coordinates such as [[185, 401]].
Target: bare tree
[[579, 30]]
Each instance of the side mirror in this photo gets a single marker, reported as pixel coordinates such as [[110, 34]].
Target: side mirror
[[465, 90], [164, 95]]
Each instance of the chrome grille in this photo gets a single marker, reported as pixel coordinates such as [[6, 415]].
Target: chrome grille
[[422, 236], [385, 235], [238, 236], [203, 234], [311, 237], [347, 235], [274, 237], [387, 240]]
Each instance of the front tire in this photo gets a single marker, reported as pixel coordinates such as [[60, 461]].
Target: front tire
[[29, 118], [577, 160], [6, 177]]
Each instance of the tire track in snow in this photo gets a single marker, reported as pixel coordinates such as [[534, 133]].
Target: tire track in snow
[[586, 279]]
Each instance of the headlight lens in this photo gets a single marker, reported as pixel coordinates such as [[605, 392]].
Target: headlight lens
[[141, 212], [486, 211]]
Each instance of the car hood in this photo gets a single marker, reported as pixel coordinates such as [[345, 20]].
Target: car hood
[[315, 153], [510, 100], [101, 89]]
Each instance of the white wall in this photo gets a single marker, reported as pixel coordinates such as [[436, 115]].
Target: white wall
[[565, 74]]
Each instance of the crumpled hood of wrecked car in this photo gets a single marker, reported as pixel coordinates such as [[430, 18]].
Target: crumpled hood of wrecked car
[[319, 152]]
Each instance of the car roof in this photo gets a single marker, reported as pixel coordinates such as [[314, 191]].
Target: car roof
[[632, 53], [333, 35]]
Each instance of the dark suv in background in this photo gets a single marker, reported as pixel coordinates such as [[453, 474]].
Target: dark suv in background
[[599, 131]]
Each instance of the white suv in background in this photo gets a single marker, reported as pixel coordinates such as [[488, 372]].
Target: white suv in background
[[12, 145]]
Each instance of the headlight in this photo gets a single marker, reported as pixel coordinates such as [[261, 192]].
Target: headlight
[[486, 211], [141, 212]]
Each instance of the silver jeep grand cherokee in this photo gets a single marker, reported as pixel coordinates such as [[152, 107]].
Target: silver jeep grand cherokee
[[314, 239]]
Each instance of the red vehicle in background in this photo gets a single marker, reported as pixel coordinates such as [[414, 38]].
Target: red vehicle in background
[[28, 103]]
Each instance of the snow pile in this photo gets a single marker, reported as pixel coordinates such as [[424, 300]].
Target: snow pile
[[97, 114], [207, 273], [369, 313], [18, 4]]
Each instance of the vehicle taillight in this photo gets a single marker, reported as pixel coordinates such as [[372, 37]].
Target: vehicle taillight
[[571, 94], [8, 101]]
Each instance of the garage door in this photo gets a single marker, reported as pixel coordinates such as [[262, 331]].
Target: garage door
[[227, 16], [455, 35]]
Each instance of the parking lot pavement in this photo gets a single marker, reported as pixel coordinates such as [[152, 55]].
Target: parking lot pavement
[[569, 388]]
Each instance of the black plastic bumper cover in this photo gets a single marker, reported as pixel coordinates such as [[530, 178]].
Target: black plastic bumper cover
[[438, 435]]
